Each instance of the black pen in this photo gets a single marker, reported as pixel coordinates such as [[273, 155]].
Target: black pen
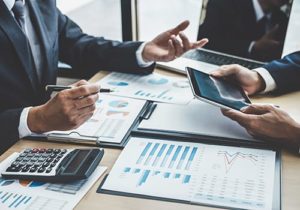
[[57, 88]]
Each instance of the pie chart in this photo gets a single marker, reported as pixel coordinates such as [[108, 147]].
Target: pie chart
[[160, 81], [118, 83], [118, 104]]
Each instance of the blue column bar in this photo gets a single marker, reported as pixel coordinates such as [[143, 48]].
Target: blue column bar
[[191, 158], [167, 156], [143, 154], [144, 177], [151, 153], [175, 156], [161, 151], [183, 156]]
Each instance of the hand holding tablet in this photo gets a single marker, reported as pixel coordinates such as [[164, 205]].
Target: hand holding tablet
[[217, 91]]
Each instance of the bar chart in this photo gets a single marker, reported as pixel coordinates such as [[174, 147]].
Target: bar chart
[[231, 177], [14, 200], [146, 175]]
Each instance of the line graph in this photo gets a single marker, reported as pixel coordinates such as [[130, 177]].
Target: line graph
[[230, 159]]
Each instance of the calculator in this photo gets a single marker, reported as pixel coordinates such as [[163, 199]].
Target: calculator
[[54, 165]]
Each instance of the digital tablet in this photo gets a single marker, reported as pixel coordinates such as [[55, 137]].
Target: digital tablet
[[217, 91]]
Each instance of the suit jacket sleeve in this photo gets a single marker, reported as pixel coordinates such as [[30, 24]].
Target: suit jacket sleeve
[[87, 54], [9, 127], [286, 72]]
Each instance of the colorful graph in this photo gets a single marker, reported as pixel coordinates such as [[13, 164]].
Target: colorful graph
[[14, 200], [26, 183], [118, 104], [181, 84], [160, 81], [113, 112], [117, 83], [163, 95], [146, 175], [230, 159], [170, 156]]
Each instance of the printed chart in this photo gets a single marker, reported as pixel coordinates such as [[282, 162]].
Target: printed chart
[[154, 87], [231, 177], [111, 121]]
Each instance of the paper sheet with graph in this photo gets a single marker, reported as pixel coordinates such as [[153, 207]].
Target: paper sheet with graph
[[225, 176], [153, 87], [32, 195], [111, 121]]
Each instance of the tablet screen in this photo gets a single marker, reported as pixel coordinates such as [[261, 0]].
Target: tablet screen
[[217, 90]]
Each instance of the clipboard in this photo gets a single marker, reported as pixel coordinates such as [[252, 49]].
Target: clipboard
[[178, 132], [77, 138], [277, 190]]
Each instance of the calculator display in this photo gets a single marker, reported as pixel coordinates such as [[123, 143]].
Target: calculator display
[[73, 166]]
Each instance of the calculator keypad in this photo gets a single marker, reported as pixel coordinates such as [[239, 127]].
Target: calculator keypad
[[37, 161]]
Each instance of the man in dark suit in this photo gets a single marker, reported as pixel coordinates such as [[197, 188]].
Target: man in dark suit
[[267, 121], [34, 36], [248, 28]]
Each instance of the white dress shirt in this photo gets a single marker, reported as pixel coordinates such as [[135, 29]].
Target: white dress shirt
[[23, 125]]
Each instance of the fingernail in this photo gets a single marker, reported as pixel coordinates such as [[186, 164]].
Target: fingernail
[[244, 108]]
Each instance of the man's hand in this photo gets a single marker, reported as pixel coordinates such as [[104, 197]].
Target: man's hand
[[267, 47], [170, 45], [269, 123], [66, 110], [249, 80]]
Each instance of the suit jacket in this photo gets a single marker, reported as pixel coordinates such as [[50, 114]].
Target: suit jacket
[[230, 26], [61, 39], [286, 73]]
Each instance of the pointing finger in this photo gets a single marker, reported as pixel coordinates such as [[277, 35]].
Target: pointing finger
[[182, 26]]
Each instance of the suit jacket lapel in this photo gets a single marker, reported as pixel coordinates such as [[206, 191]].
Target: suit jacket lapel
[[18, 40]]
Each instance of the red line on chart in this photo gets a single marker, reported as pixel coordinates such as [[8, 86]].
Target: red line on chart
[[231, 158]]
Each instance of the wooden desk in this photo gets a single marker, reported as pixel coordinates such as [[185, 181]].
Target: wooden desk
[[93, 200]]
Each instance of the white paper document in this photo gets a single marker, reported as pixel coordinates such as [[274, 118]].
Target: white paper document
[[153, 87], [112, 119], [231, 177], [32, 195], [197, 118]]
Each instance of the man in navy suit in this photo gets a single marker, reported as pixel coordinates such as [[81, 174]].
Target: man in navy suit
[[249, 28], [267, 121], [34, 36]]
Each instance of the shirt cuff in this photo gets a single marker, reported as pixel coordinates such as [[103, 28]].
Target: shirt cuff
[[269, 81], [251, 47], [139, 57], [23, 126]]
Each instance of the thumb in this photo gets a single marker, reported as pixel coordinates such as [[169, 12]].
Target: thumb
[[258, 109], [182, 26]]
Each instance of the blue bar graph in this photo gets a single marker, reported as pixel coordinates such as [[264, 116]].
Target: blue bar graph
[[191, 158], [175, 156], [144, 177], [143, 154], [183, 156], [13, 200], [149, 158], [163, 163], [159, 154]]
